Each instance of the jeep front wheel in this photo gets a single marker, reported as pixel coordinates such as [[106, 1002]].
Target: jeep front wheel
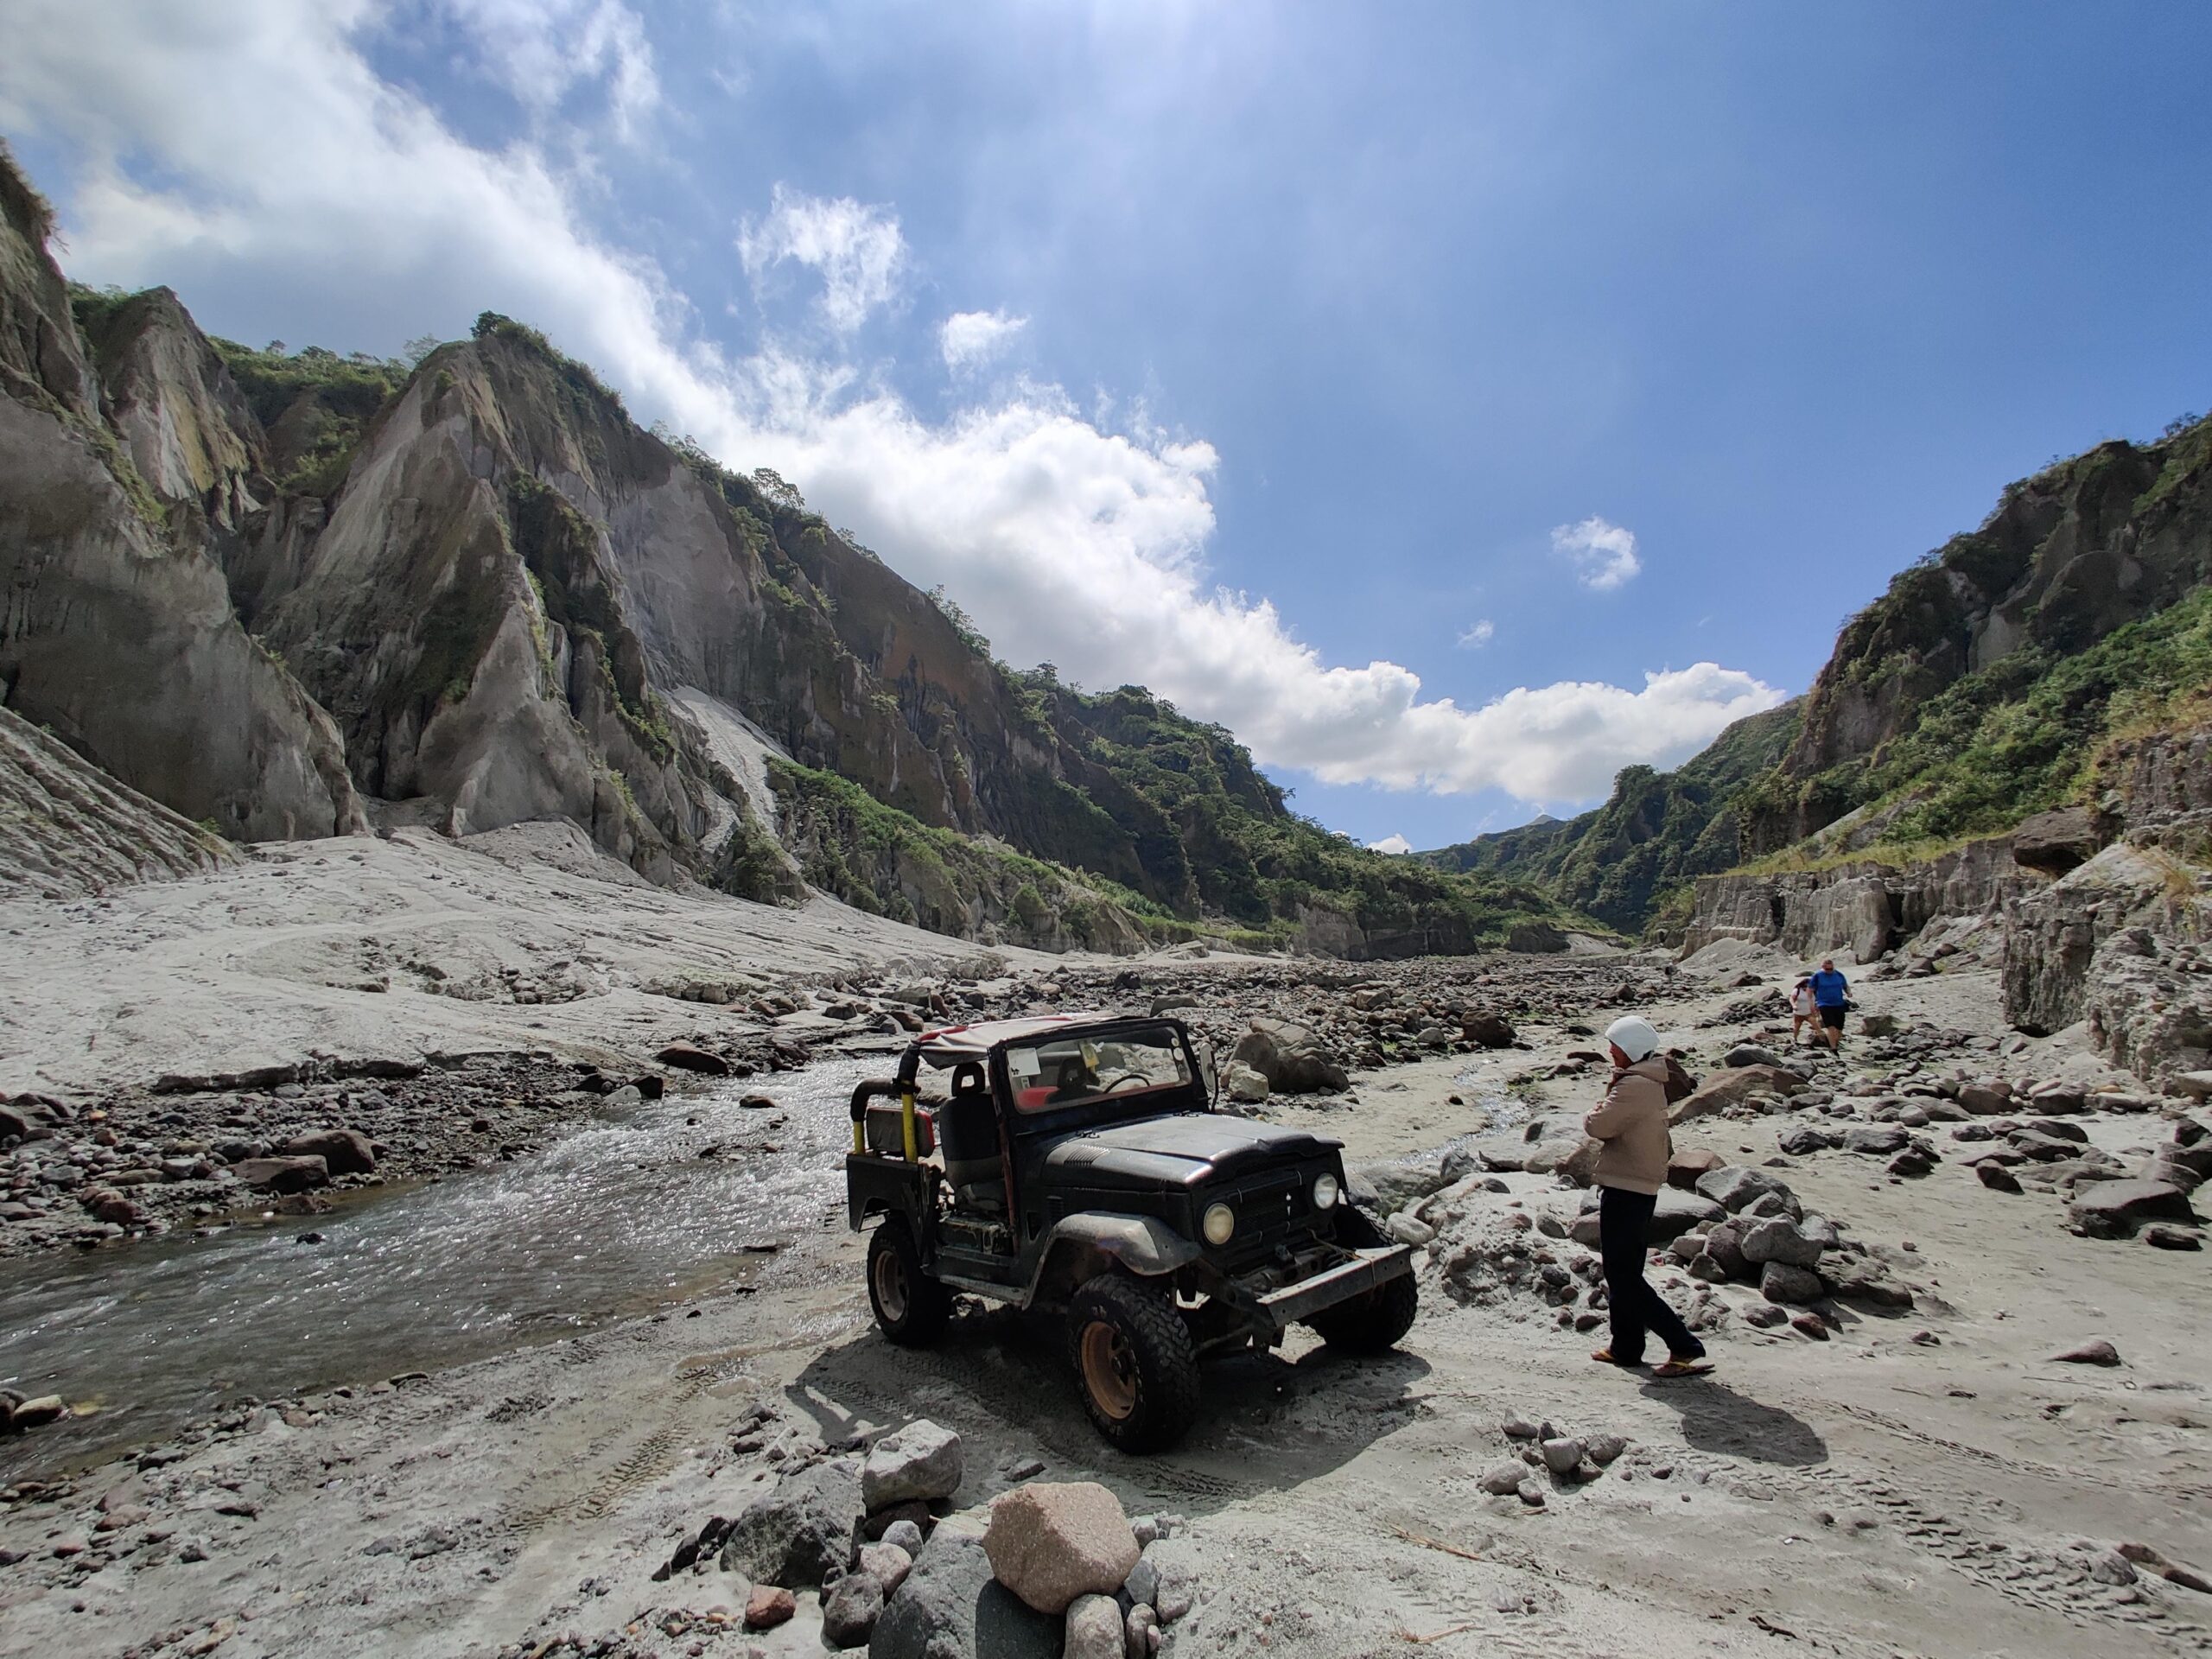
[[1134, 1362], [910, 1306], [1372, 1322]]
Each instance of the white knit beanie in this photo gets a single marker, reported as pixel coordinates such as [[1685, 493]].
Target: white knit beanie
[[1632, 1035]]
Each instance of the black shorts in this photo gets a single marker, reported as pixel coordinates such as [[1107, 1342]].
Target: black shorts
[[1832, 1018]]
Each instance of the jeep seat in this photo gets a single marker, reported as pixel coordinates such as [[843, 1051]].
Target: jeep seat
[[968, 1131]]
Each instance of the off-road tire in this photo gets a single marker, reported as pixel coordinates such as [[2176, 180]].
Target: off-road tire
[[910, 1306], [1372, 1323], [1122, 1326]]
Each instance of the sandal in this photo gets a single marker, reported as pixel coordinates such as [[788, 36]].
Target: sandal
[[1605, 1356], [1681, 1367]]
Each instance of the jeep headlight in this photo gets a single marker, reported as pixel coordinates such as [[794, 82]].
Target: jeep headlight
[[1326, 1192], [1219, 1222]]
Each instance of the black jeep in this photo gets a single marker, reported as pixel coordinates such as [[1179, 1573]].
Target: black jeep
[[1077, 1164]]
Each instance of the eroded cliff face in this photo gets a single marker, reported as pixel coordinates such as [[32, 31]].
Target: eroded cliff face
[[116, 627], [1859, 911], [2069, 557]]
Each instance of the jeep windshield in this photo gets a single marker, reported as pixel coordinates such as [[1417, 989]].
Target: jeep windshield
[[1139, 1064]]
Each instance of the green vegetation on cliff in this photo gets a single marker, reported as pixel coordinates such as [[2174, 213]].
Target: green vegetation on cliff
[[1657, 829]]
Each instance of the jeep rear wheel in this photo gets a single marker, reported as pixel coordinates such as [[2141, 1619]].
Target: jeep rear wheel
[[1372, 1322], [1134, 1362], [910, 1306]]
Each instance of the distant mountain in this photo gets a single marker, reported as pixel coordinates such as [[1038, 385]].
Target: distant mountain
[[1655, 832], [289, 594], [2003, 675]]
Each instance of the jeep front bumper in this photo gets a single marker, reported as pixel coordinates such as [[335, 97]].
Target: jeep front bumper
[[1368, 1269]]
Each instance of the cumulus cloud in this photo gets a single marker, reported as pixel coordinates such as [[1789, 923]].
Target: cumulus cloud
[[1603, 555], [1480, 634], [857, 250], [1067, 539], [1396, 846], [971, 339]]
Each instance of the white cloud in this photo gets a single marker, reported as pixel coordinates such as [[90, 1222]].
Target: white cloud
[[1603, 555], [1067, 541], [1396, 846], [541, 49], [857, 250], [1476, 638], [971, 339]]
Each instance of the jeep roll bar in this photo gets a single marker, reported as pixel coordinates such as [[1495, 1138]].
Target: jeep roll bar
[[900, 1088]]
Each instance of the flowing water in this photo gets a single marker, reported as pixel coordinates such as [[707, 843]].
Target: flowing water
[[617, 1216]]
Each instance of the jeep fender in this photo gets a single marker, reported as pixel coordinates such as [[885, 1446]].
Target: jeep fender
[[1081, 1247]]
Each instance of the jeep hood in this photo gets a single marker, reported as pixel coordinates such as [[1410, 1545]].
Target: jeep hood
[[1182, 1150]]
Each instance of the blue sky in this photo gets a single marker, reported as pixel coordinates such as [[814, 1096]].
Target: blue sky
[[1404, 386]]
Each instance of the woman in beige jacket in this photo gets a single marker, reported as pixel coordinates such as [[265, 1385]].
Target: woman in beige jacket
[[1632, 1122]]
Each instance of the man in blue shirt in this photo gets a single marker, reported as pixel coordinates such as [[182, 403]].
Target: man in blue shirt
[[1831, 992]]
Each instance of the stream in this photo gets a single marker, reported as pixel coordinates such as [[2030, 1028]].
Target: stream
[[618, 1215]]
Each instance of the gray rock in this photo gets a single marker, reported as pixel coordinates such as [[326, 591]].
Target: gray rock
[[1290, 1058], [803, 1533], [1802, 1139], [1520, 1428], [904, 1534], [1724, 1247], [2090, 1353], [1750, 1054], [1561, 1456], [1877, 1140], [1997, 1177], [1734, 1188], [2117, 1209], [1781, 1241], [1094, 1629], [1503, 1479], [950, 1607], [851, 1608], [2159, 1235], [1764, 1315], [1603, 1449], [888, 1564], [1140, 1631], [920, 1463], [1780, 1282]]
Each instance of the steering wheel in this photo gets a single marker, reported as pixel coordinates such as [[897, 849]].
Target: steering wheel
[[1127, 1077]]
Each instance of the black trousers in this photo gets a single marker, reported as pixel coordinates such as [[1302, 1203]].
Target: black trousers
[[1622, 1219]]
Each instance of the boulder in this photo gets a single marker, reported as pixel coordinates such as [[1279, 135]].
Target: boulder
[[1986, 1099], [1724, 1247], [344, 1152], [1733, 1087], [768, 1606], [1781, 1241], [888, 1564], [920, 1463], [1487, 1029], [950, 1607], [1050, 1542], [1094, 1629], [1780, 1282], [850, 1609], [801, 1534], [1243, 1085], [1735, 1189], [682, 1057], [2116, 1208], [1400, 1182], [1691, 1165], [2089, 1353], [1997, 1177], [1802, 1139], [1750, 1054], [297, 1174], [1503, 1479], [1561, 1456], [1877, 1140], [1291, 1059]]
